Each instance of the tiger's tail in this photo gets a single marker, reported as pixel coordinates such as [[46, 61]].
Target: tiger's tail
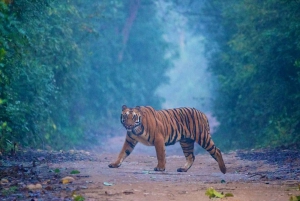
[[207, 143], [218, 157]]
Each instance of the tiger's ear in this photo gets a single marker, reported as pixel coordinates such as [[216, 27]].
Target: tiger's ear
[[124, 107], [138, 108]]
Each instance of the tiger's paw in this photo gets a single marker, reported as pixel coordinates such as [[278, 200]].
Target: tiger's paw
[[182, 170], [114, 165], [159, 169]]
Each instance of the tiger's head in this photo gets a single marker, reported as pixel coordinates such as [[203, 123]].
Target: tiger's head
[[131, 118]]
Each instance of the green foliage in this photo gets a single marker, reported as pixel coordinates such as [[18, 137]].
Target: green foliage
[[67, 67], [212, 193], [56, 170], [78, 198], [256, 60], [294, 198], [9, 191], [75, 172]]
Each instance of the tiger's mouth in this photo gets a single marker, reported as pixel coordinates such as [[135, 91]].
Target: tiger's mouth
[[137, 129]]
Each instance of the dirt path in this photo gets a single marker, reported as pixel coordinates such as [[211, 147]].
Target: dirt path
[[255, 180]]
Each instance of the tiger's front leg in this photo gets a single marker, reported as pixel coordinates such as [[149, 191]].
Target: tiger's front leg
[[160, 153], [128, 146]]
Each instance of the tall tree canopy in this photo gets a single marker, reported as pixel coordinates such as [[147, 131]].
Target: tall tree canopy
[[66, 68], [254, 51]]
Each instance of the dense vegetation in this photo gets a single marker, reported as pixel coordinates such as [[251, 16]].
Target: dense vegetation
[[66, 68], [254, 50]]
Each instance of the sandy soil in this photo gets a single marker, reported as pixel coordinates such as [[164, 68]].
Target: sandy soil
[[135, 180]]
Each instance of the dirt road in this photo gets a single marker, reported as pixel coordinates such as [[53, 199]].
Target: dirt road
[[256, 179]]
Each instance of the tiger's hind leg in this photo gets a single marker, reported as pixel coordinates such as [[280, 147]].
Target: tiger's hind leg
[[187, 146]]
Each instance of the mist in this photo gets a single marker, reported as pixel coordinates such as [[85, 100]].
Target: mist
[[190, 84], [67, 68]]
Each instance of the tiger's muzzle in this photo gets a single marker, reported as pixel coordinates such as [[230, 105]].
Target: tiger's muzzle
[[136, 129], [132, 122]]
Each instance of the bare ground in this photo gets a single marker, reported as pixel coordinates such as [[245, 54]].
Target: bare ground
[[253, 175]]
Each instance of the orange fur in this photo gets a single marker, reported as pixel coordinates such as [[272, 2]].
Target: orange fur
[[161, 128]]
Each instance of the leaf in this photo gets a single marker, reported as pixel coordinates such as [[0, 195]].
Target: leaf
[[294, 198], [10, 190], [107, 184], [78, 197], [67, 180], [228, 195], [74, 172], [4, 181], [57, 170], [34, 186], [212, 193]]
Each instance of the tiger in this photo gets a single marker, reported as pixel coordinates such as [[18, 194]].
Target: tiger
[[162, 128]]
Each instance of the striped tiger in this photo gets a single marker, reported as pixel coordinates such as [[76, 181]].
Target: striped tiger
[[161, 128]]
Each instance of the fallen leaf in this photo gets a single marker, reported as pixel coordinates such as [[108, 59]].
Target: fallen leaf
[[74, 172], [212, 193], [294, 198], [3, 181], [107, 184], [56, 170], [67, 180], [34, 186], [77, 197], [228, 195], [9, 190]]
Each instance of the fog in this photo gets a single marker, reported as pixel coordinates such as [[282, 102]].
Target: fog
[[67, 67], [189, 82]]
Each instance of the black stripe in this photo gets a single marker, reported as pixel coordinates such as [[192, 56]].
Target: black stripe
[[204, 139], [174, 139], [129, 135], [212, 147], [194, 124], [200, 127], [170, 135], [180, 114], [130, 144], [127, 152], [187, 120], [208, 143]]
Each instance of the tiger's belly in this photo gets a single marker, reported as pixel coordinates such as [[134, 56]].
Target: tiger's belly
[[142, 139]]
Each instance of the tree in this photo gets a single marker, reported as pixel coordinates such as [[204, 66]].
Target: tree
[[67, 68], [256, 62]]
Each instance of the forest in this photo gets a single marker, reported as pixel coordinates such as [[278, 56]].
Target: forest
[[67, 67]]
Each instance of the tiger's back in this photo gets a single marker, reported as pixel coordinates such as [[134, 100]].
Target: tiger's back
[[184, 123]]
